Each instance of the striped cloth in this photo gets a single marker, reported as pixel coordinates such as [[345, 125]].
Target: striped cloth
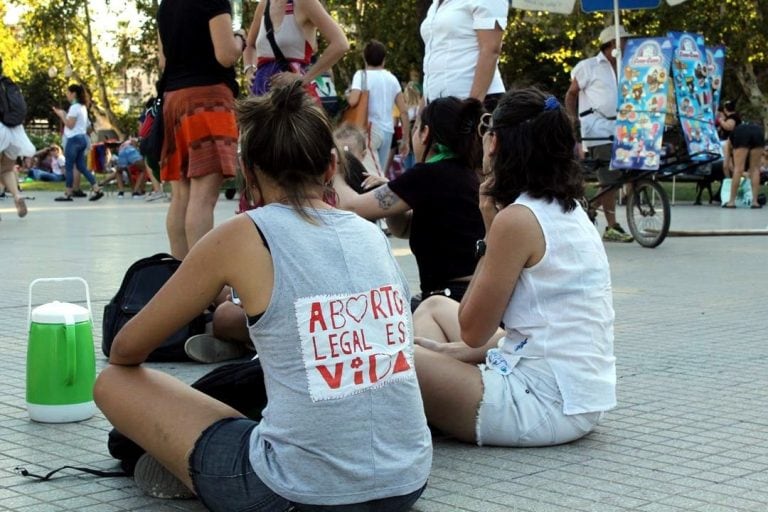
[[200, 133]]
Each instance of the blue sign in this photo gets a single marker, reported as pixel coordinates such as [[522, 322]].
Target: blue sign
[[607, 5]]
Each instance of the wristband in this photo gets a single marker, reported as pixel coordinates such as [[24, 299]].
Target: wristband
[[242, 38], [480, 247]]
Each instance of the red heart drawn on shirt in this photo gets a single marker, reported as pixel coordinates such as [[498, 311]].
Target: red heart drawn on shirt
[[357, 306]]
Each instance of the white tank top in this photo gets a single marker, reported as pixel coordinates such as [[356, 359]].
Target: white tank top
[[288, 36], [560, 315]]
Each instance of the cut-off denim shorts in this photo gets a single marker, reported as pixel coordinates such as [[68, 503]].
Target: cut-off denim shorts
[[525, 408], [225, 481]]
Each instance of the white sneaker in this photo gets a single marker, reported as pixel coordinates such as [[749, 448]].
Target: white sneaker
[[156, 481], [154, 196], [206, 348]]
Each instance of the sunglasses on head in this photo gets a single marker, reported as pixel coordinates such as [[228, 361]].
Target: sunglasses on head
[[485, 125]]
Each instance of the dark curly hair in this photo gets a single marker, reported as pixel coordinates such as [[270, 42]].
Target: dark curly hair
[[535, 142]]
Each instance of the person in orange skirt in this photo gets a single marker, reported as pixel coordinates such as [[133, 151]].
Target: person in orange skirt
[[198, 51]]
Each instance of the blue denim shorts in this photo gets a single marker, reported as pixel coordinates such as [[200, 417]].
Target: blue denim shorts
[[129, 155], [225, 481]]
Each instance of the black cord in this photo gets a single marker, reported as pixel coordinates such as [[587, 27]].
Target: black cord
[[96, 472]]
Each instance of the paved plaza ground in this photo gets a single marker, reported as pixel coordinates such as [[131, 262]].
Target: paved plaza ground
[[690, 431]]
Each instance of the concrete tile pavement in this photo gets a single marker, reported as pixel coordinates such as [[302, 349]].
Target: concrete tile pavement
[[690, 432]]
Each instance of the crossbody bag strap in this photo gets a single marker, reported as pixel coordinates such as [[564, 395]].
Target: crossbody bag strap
[[279, 56]]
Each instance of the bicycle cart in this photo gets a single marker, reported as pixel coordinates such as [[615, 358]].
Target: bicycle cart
[[664, 126], [647, 203]]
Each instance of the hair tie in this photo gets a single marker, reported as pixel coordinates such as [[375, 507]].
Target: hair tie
[[551, 103]]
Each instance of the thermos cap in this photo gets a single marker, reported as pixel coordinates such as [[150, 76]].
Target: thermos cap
[[56, 313]]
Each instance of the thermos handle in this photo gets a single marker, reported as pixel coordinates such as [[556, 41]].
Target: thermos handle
[[58, 279], [71, 350]]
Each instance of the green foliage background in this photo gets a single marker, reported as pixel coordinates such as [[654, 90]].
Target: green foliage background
[[539, 48]]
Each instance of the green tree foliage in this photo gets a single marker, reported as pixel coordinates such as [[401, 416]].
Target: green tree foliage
[[15, 56], [542, 48], [396, 24], [539, 48], [66, 28]]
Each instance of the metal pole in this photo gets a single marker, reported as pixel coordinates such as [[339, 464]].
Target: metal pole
[[618, 40]]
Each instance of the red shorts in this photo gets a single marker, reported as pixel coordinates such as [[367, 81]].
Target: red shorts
[[200, 133]]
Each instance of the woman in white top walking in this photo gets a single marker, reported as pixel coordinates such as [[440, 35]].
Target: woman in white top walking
[[75, 132], [545, 275], [384, 93]]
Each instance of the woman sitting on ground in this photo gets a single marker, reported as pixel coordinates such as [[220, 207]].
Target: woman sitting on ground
[[545, 276], [335, 345], [435, 203]]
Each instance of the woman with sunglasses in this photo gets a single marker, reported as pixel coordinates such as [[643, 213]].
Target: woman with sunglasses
[[548, 377], [435, 203]]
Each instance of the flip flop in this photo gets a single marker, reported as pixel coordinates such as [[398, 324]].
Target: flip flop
[[726, 205], [756, 206]]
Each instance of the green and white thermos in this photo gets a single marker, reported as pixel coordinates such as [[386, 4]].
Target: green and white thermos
[[61, 364]]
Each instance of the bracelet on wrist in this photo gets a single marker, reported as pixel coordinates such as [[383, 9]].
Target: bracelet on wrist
[[249, 67], [242, 38]]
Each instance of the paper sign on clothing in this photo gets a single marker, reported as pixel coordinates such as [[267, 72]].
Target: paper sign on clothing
[[354, 342]]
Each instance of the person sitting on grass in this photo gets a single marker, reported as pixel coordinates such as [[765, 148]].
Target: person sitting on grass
[[550, 375], [335, 345], [48, 165]]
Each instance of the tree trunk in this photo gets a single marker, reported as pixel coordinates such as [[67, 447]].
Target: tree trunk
[[751, 87], [102, 86]]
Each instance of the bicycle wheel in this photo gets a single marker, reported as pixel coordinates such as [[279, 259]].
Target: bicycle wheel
[[648, 213]]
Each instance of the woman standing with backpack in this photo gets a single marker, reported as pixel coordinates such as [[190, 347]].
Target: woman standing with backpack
[[75, 133], [13, 144]]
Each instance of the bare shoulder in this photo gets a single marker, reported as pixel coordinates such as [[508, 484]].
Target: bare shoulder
[[517, 230]]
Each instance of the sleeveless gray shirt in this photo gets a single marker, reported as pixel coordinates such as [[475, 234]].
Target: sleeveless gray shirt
[[345, 420]]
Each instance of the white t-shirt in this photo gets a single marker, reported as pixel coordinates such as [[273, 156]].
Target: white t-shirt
[[80, 113], [383, 88], [450, 45], [597, 90], [57, 165]]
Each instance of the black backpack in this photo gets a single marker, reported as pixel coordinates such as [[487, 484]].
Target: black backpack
[[141, 282], [13, 108]]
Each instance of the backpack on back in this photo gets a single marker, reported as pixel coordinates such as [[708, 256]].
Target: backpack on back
[[141, 282], [13, 108]]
